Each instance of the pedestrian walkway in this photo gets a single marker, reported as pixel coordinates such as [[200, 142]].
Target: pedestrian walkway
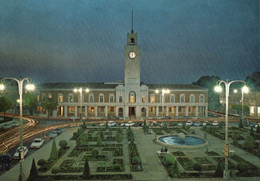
[[43, 153]]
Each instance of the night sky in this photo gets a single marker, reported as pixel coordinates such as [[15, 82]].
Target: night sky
[[83, 40]]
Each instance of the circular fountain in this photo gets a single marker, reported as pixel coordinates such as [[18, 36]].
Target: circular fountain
[[181, 141]]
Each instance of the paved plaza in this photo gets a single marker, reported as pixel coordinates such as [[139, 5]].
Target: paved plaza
[[152, 166]]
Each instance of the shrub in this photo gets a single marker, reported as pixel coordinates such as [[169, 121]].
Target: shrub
[[94, 152], [54, 152], [86, 171], [136, 160], [219, 171], [63, 144], [119, 138], [168, 159], [55, 170], [117, 167], [258, 129], [41, 162]]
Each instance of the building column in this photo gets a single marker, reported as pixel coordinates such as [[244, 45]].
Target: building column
[[167, 111], [157, 111], [106, 111], [76, 111], [206, 111], [147, 112], [117, 110], [187, 111], [126, 110], [177, 111], [65, 111], [197, 109], [256, 111], [96, 111], [86, 111]]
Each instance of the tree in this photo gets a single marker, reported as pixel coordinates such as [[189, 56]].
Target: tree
[[29, 102], [54, 152], [5, 104], [219, 171], [86, 171], [106, 125], [63, 144], [119, 138], [94, 152], [80, 140], [33, 172], [99, 140], [252, 132], [209, 82], [49, 104]]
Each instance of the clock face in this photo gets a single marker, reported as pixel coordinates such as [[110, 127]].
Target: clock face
[[132, 54]]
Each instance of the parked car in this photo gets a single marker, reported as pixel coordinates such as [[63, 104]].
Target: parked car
[[25, 152], [37, 143], [51, 134], [122, 124], [180, 124], [189, 123], [215, 123], [111, 123], [205, 123], [129, 123], [101, 125], [197, 123], [58, 131]]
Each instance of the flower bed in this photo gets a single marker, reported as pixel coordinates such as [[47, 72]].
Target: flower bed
[[202, 160], [186, 163], [178, 153], [94, 158]]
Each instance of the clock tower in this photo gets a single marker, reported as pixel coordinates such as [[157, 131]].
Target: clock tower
[[132, 60]]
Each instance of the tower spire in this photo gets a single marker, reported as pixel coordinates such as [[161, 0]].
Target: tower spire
[[132, 30]]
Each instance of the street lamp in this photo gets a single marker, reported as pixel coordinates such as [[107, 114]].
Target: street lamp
[[81, 97], [218, 88], [29, 87], [244, 89], [163, 91]]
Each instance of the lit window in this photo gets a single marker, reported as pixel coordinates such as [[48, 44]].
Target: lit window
[[38, 98], [92, 109], [143, 99], [182, 99], [60, 98], [152, 99], [49, 95], [132, 97]]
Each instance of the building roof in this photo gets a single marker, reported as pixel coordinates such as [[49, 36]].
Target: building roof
[[113, 85], [175, 86]]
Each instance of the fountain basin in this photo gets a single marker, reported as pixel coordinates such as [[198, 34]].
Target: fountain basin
[[190, 141]]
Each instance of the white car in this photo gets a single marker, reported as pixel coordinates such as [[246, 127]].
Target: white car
[[37, 143], [205, 123], [179, 124], [111, 123], [129, 123], [215, 123], [101, 125], [257, 124], [189, 123], [25, 152]]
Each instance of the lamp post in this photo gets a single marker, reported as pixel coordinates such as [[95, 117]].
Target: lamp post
[[163, 91], [244, 89], [29, 87], [81, 101], [218, 88]]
